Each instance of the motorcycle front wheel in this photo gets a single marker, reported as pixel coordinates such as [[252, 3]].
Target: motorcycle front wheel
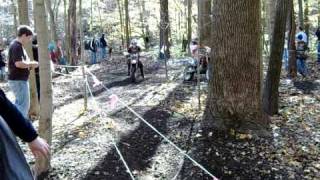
[[133, 74]]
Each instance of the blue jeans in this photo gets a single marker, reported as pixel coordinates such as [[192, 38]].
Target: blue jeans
[[103, 53], [302, 68], [2, 73], [21, 92], [285, 58], [318, 51], [93, 57]]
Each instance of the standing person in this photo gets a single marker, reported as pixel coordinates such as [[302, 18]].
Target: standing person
[[13, 164], [2, 66], [301, 55], [93, 49], [103, 45], [19, 69], [303, 35], [318, 46]]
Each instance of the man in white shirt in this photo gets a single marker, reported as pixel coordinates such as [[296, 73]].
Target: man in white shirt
[[304, 35]]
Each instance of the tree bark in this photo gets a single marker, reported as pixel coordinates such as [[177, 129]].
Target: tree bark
[[204, 21], [72, 41], [234, 97], [164, 27], [189, 22], [15, 19], [126, 7], [24, 20], [53, 28], [121, 21], [45, 122], [271, 93], [300, 2], [292, 71], [306, 19]]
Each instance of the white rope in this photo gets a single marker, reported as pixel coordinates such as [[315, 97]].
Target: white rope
[[113, 140], [63, 74], [60, 65], [154, 129]]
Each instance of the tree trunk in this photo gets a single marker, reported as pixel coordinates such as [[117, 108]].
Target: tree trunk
[[306, 19], [53, 28], [164, 27], [271, 19], [271, 93], [204, 21], [24, 20], [189, 22], [234, 97], [301, 13], [15, 19], [45, 122], [66, 31], [292, 72], [126, 7], [121, 21], [72, 41]]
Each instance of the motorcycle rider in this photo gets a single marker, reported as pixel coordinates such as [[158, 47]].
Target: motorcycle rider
[[133, 49]]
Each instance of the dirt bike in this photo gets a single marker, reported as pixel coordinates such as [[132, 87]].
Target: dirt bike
[[134, 58], [191, 69]]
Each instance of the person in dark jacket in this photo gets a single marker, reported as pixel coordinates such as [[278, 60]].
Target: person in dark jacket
[[103, 46], [13, 164], [318, 47], [93, 49], [2, 66]]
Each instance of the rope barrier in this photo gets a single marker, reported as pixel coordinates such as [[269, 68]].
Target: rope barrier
[[98, 82], [113, 140], [63, 74]]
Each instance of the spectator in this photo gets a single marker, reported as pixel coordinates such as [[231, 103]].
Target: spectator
[[13, 164], [318, 46], [93, 49], [2, 66], [19, 66], [36, 58], [103, 46]]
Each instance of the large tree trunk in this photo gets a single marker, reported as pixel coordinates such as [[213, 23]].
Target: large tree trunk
[[126, 7], [234, 97], [45, 122], [53, 28], [301, 13], [204, 21], [72, 41], [292, 69], [164, 27], [24, 20], [271, 93]]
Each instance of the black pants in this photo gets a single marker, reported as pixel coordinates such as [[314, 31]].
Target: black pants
[[140, 66]]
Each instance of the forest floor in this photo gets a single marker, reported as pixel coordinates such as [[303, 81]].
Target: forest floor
[[83, 146]]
